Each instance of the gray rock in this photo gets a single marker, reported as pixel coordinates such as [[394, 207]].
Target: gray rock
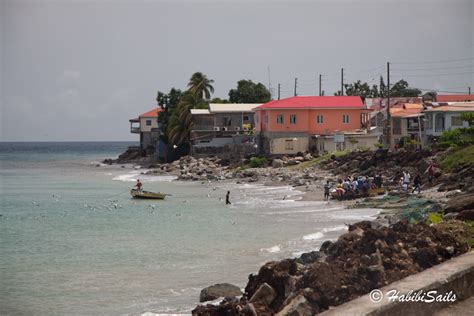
[[219, 290], [277, 163], [298, 306], [265, 293]]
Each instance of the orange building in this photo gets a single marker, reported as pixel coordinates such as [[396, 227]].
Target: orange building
[[299, 124]]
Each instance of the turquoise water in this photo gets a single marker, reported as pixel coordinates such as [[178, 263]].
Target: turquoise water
[[72, 241]]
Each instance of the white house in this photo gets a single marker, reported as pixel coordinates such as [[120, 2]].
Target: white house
[[446, 117]]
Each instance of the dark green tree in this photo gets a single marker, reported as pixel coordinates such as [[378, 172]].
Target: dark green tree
[[401, 89], [180, 124], [219, 100], [168, 103], [201, 86], [249, 92], [468, 117]]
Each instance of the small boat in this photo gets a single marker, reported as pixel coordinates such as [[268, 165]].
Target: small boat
[[137, 194], [359, 194]]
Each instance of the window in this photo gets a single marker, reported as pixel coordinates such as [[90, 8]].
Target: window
[[279, 119], [246, 117], [320, 119], [148, 122], [345, 118], [226, 121], [293, 119], [289, 144], [456, 121], [265, 118]]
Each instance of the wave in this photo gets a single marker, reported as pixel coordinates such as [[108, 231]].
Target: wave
[[132, 176], [314, 236], [274, 249]]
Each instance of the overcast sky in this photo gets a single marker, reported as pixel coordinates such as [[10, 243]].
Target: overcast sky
[[79, 70]]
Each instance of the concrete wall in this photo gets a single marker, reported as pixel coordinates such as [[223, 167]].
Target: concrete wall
[[228, 151], [148, 128], [306, 120], [326, 143]]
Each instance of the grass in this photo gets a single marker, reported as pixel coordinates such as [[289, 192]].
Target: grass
[[459, 157]]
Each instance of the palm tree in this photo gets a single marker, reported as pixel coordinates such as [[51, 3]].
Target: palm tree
[[201, 86], [180, 124]]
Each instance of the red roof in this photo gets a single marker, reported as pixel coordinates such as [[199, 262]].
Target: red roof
[[152, 113], [333, 102], [454, 97]]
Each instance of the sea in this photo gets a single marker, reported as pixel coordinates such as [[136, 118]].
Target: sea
[[74, 242]]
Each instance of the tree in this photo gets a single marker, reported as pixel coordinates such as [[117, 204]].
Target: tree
[[218, 100], [361, 89], [168, 103], [401, 89], [181, 123], [249, 92], [468, 117], [201, 86]]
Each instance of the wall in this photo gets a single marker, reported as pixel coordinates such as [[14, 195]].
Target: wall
[[366, 141], [306, 120], [144, 127], [229, 151], [279, 146]]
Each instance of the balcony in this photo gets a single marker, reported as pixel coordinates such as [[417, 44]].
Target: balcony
[[135, 130]]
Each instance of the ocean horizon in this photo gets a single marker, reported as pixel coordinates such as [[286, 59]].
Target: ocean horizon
[[73, 241]]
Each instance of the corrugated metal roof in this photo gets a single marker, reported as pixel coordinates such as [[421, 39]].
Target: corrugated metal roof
[[232, 107], [151, 113], [200, 111]]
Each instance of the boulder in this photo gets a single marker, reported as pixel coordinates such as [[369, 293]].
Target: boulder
[[460, 203], [277, 163], [265, 294], [299, 306], [219, 290]]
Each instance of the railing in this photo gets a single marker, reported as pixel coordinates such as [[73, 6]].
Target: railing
[[439, 129], [134, 129]]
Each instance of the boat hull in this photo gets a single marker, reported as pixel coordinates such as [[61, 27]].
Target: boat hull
[[147, 195]]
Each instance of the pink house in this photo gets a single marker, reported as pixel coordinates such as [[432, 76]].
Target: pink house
[[299, 124]]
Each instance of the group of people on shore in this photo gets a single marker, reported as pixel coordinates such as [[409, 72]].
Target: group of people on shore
[[353, 186]]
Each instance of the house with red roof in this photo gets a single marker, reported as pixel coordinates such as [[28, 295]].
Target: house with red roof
[[407, 121], [313, 123], [146, 124]]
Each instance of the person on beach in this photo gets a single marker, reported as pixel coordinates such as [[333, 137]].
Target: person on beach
[[430, 171], [227, 201], [417, 183], [327, 187], [139, 185]]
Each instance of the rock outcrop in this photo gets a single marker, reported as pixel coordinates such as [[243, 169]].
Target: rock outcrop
[[219, 290], [365, 258]]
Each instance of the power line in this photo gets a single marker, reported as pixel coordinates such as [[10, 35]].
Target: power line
[[446, 91], [439, 75], [429, 69], [435, 61]]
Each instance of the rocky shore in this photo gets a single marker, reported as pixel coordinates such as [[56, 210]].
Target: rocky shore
[[372, 254], [367, 257]]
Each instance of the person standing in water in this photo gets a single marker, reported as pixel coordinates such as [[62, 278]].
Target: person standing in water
[[327, 187], [227, 201]]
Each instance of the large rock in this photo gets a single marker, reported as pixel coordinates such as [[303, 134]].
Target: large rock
[[265, 294], [298, 306], [460, 203], [219, 290], [277, 163]]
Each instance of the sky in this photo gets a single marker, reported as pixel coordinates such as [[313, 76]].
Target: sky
[[77, 70]]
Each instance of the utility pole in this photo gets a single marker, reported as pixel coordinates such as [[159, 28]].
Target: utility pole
[[469, 89], [278, 91], [320, 84], [389, 116], [342, 81], [296, 82]]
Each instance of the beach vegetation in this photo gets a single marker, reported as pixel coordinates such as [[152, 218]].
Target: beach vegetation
[[458, 157], [400, 89], [457, 137], [258, 162]]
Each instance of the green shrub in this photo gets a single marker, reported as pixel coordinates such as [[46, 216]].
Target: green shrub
[[257, 162], [458, 136], [457, 158]]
